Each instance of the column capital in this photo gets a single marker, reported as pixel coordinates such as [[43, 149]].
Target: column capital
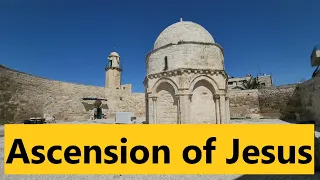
[[220, 95], [217, 96], [183, 95], [153, 98]]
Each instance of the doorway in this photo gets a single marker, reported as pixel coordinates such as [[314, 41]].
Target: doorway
[[97, 109]]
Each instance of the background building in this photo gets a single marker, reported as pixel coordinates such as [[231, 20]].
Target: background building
[[263, 81]]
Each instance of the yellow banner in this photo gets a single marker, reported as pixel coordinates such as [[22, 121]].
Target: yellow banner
[[159, 149]]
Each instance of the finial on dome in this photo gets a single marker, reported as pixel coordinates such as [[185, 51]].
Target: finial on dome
[[180, 19]]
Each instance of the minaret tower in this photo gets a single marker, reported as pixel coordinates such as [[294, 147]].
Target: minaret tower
[[113, 71]]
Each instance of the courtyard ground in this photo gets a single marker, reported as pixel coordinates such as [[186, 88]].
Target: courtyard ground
[[162, 177]]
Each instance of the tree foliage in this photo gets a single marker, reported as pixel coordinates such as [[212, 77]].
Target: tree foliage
[[251, 83]]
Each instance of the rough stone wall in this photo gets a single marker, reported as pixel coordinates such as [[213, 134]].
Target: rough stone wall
[[310, 98], [272, 102], [23, 96], [279, 102], [244, 103]]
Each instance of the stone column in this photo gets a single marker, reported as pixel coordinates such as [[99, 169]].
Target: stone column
[[228, 109], [217, 108], [150, 110], [154, 100], [178, 109], [184, 108], [223, 116], [147, 109]]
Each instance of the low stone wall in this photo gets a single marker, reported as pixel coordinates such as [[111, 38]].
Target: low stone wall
[[310, 98], [244, 103], [274, 102], [23, 96], [279, 102]]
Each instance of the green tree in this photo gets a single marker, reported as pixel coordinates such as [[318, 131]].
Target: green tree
[[251, 83]]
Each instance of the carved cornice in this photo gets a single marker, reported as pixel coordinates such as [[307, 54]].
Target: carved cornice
[[186, 71]]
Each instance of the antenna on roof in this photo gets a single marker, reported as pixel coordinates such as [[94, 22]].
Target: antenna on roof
[[114, 48], [259, 68]]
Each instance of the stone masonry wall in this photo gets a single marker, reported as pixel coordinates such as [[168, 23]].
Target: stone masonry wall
[[244, 103], [273, 102], [23, 96], [191, 55], [279, 102], [310, 98]]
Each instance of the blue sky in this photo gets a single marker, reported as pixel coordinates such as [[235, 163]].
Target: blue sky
[[69, 40]]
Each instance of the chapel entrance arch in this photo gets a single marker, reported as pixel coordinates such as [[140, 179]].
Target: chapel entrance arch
[[167, 103], [203, 105]]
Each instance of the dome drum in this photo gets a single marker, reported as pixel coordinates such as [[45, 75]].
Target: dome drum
[[185, 56]]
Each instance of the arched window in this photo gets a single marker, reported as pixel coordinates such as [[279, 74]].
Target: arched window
[[110, 63], [165, 63]]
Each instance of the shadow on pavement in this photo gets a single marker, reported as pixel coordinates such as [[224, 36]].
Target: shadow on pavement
[[316, 176]]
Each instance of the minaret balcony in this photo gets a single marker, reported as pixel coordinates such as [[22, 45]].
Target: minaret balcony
[[111, 67]]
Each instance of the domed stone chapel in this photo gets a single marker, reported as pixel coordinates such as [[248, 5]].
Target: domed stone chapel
[[186, 82]]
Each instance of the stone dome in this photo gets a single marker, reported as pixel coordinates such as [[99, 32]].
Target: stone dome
[[183, 31]]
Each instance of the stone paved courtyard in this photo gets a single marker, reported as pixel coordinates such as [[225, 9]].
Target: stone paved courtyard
[[140, 177]]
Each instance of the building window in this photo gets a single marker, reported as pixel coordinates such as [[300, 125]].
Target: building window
[[230, 83], [263, 84], [110, 64], [165, 63]]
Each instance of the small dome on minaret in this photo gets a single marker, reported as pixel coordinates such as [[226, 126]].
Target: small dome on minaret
[[114, 54]]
